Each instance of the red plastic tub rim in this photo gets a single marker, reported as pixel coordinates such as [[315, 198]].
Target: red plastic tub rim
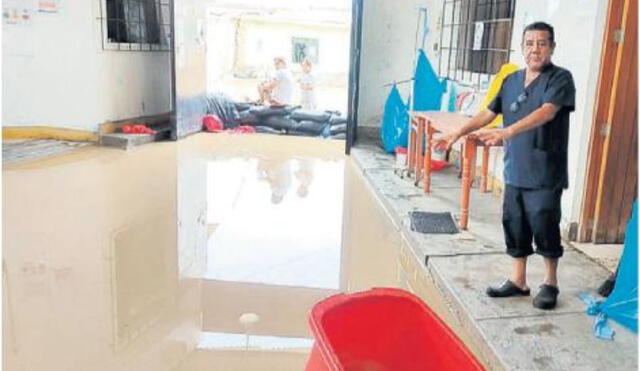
[[322, 307]]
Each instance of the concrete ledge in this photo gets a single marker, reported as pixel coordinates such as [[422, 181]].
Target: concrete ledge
[[128, 141], [505, 334], [125, 141]]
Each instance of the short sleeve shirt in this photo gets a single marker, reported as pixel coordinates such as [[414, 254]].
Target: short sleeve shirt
[[283, 92], [537, 158]]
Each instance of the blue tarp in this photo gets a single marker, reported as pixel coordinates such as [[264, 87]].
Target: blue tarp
[[427, 89], [622, 303], [395, 122], [449, 97]]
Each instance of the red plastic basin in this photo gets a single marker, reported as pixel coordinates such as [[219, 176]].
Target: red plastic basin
[[383, 329]]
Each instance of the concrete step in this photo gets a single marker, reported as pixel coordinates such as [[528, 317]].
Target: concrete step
[[128, 141]]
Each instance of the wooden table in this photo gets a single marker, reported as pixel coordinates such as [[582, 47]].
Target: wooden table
[[425, 125]]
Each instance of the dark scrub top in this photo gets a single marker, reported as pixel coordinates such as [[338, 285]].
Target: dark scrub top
[[537, 158]]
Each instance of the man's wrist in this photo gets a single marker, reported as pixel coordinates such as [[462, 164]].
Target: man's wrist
[[509, 132]]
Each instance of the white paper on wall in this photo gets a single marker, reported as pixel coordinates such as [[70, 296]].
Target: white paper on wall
[[477, 36]]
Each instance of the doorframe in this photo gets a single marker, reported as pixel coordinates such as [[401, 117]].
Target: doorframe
[[172, 57], [600, 127], [354, 74]]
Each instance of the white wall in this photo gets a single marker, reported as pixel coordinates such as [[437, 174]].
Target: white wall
[[55, 73], [387, 55], [220, 49], [262, 40]]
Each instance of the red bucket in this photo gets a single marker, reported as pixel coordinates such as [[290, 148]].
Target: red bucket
[[383, 329]]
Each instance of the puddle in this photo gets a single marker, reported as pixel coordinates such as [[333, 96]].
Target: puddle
[[151, 259], [278, 222]]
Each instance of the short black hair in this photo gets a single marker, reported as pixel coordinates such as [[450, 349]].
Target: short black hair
[[540, 26]]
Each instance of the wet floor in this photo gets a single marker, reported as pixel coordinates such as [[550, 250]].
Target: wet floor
[[205, 254]]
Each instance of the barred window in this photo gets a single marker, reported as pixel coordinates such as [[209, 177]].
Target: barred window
[[475, 39], [136, 25]]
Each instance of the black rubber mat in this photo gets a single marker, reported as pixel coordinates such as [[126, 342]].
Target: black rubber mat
[[424, 222]]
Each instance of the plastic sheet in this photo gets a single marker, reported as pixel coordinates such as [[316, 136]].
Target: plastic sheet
[[394, 131], [622, 303], [263, 112], [304, 115], [310, 127], [278, 122], [221, 105], [240, 106], [247, 118], [337, 129], [335, 120], [267, 130], [427, 89]]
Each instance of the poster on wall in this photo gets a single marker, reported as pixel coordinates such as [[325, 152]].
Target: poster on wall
[[49, 6], [18, 37], [17, 13]]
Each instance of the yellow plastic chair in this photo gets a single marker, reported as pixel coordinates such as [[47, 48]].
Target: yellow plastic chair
[[494, 87]]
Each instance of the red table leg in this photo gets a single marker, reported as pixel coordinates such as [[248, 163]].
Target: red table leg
[[469, 157], [419, 139], [411, 150], [485, 169], [427, 157]]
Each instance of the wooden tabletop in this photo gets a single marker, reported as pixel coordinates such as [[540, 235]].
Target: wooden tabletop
[[449, 122], [444, 122]]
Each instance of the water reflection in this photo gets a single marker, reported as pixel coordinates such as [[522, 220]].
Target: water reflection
[[266, 234], [149, 259], [278, 175], [90, 273]]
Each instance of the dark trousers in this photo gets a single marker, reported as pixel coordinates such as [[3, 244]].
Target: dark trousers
[[532, 215]]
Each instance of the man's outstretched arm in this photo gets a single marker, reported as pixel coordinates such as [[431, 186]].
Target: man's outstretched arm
[[536, 118], [480, 120]]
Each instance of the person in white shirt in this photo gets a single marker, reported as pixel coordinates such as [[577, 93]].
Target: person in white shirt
[[307, 86], [279, 90]]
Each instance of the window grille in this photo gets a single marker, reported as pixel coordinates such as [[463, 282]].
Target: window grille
[[475, 39], [136, 25]]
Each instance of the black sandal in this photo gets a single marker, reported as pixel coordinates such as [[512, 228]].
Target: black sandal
[[507, 289], [547, 297]]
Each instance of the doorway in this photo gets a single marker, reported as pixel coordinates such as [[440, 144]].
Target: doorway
[[242, 46], [611, 183]]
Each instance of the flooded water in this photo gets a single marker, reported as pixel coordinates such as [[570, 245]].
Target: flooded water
[[205, 254]]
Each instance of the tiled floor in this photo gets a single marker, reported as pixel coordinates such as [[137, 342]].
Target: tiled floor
[[606, 255]]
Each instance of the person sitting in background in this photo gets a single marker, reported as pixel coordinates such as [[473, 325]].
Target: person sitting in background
[[307, 86], [279, 90]]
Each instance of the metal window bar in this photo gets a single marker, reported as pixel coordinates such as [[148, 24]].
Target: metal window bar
[[453, 17], [485, 21], [465, 51], [481, 49], [495, 48], [135, 25]]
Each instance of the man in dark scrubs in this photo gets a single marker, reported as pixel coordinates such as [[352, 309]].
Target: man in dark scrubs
[[535, 103]]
